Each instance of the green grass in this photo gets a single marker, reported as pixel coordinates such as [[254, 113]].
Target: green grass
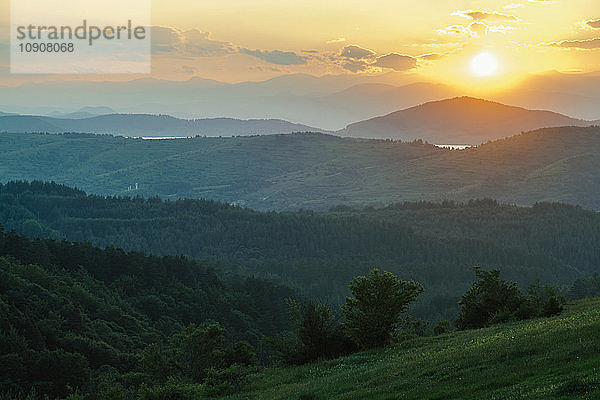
[[554, 358]]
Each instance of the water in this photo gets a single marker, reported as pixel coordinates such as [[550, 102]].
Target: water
[[454, 146]]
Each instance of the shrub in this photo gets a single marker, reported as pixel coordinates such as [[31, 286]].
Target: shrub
[[492, 300], [442, 327]]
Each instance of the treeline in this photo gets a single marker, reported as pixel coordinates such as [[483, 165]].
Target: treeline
[[372, 316], [318, 253], [76, 316]]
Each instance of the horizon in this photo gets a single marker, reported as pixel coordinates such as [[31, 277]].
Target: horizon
[[479, 47]]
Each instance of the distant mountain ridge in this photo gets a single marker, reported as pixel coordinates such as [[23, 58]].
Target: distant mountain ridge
[[459, 120], [147, 125]]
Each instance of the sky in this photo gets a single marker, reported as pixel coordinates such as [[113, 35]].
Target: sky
[[435, 40]]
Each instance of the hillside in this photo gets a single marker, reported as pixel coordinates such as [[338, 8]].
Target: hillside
[[72, 315], [461, 120], [553, 358], [319, 253], [315, 171], [133, 125]]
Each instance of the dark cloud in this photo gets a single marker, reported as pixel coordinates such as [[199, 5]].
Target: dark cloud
[[486, 16], [355, 65], [397, 62], [276, 56], [587, 44], [356, 52]]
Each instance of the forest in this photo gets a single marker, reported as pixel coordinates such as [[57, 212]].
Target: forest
[[78, 322], [318, 253]]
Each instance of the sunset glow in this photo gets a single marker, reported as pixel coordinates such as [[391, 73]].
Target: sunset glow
[[484, 64]]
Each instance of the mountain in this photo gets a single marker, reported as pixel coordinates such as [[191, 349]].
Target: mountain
[[84, 112], [316, 171], [134, 125], [460, 120]]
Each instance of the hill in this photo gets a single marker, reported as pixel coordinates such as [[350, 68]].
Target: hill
[[84, 112], [72, 315], [319, 253], [134, 125], [282, 172], [553, 358], [461, 120]]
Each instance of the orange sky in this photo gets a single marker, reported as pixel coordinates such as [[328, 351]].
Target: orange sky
[[239, 40]]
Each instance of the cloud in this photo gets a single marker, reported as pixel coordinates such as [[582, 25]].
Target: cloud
[[587, 44], [397, 62], [542, 1], [478, 29], [485, 16], [199, 44], [501, 28], [432, 56], [338, 40], [474, 29], [356, 52], [593, 23], [165, 40], [512, 6], [192, 43], [453, 30], [276, 57], [355, 65]]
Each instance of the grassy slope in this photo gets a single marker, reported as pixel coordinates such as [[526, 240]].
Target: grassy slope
[[552, 358]]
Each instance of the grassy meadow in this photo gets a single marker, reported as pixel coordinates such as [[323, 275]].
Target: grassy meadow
[[553, 358]]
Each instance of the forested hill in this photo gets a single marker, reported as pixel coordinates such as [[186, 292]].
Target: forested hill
[[146, 125], [314, 171], [68, 310], [436, 244]]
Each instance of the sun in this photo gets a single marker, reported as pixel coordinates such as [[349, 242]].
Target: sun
[[484, 64]]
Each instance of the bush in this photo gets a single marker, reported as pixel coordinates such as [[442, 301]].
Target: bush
[[491, 301], [442, 327], [221, 382], [241, 353], [374, 312], [318, 335]]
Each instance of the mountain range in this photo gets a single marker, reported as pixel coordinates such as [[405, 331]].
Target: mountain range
[[461, 120], [330, 102]]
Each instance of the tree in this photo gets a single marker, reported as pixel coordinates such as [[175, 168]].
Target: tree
[[156, 362], [373, 313], [32, 229], [490, 300], [318, 335], [198, 348]]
